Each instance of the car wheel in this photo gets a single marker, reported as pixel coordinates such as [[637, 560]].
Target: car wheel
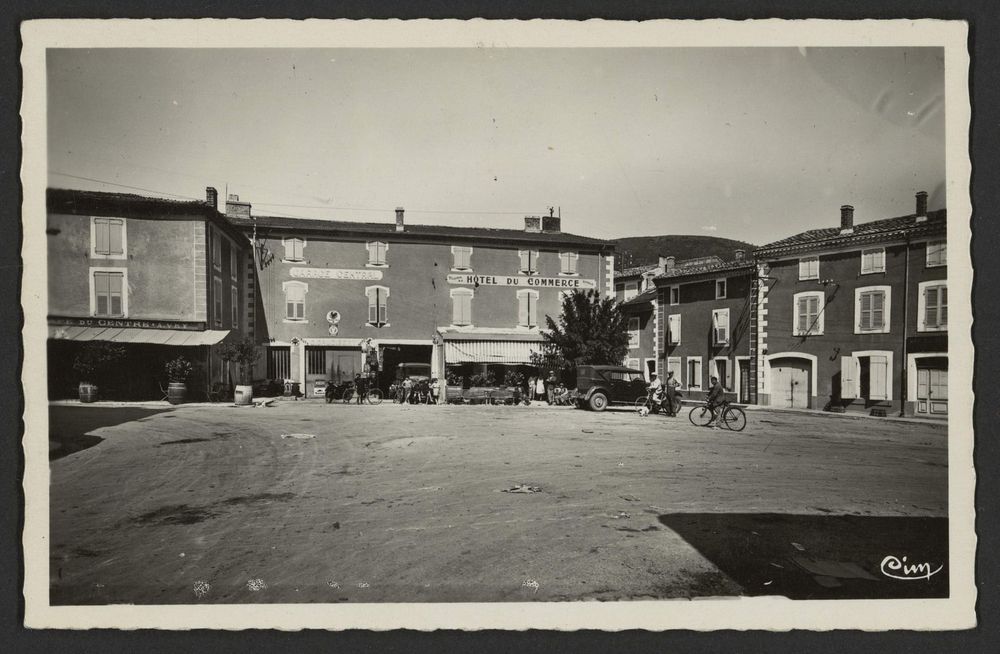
[[598, 402]]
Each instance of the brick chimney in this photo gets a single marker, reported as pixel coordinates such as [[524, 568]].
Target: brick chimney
[[846, 219], [666, 263], [551, 223], [740, 254], [212, 197], [533, 224], [921, 206], [399, 219], [235, 208]]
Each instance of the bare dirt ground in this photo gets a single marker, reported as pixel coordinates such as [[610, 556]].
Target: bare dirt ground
[[392, 503]]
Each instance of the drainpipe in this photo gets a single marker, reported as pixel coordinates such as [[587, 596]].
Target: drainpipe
[[905, 364]]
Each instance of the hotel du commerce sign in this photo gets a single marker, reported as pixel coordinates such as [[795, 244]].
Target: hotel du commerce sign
[[527, 281]]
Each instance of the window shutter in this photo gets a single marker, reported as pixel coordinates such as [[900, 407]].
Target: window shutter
[[866, 311], [848, 378], [879, 366], [101, 242], [373, 306], [524, 259], [383, 309], [878, 310], [803, 318], [943, 304], [522, 310], [115, 236], [931, 307]]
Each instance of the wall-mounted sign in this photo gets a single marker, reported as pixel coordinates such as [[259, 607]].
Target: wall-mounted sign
[[127, 323], [335, 273], [528, 281]]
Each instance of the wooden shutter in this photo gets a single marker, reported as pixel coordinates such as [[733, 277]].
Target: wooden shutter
[[878, 310], [931, 307], [522, 309], [803, 318], [866, 311], [848, 378], [115, 228], [943, 306], [373, 306], [878, 377], [523, 254], [101, 293]]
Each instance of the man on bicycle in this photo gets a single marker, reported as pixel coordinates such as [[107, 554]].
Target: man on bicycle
[[716, 397]]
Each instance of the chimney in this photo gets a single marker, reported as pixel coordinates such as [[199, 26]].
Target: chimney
[[551, 223], [399, 219], [740, 254], [235, 208], [212, 197], [533, 224], [921, 206], [666, 263], [846, 219]]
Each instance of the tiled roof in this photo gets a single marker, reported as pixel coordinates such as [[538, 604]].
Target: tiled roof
[[76, 201], [643, 298], [341, 227], [636, 271], [863, 232], [702, 266]]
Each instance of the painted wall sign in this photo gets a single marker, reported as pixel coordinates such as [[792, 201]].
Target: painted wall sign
[[335, 273], [527, 281], [122, 322]]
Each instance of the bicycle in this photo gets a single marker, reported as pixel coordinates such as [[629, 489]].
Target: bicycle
[[371, 396], [732, 417], [653, 406]]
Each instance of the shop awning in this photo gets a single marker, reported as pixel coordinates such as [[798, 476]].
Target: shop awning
[[469, 351], [138, 335]]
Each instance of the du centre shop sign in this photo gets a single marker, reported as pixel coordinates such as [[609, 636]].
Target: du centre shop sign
[[526, 281]]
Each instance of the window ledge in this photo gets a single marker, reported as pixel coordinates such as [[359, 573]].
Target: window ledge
[[931, 329], [295, 321], [376, 265], [463, 270], [807, 335], [935, 265], [378, 326], [808, 279], [530, 273], [566, 274], [109, 257], [873, 272], [861, 330], [294, 261], [467, 325]]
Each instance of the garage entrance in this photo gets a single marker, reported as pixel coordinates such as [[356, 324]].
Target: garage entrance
[[790, 383], [393, 355]]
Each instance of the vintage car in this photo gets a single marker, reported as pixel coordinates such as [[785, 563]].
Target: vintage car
[[599, 386]]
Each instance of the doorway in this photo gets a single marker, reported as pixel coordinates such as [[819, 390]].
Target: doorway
[[932, 386], [790, 383]]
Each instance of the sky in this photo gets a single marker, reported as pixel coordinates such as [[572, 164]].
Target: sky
[[752, 144]]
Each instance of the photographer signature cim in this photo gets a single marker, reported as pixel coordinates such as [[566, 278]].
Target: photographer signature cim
[[895, 568]]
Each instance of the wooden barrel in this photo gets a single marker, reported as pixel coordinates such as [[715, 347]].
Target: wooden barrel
[[88, 392], [176, 392], [243, 395]]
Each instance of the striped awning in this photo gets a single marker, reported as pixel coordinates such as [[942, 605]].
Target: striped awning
[[138, 335], [468, 351]]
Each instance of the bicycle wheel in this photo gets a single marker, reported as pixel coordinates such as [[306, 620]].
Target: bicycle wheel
[[734, 418], [700, 415], [642, 402], [348, 394], [374, 396]]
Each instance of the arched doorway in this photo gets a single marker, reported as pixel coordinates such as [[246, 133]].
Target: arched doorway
[[791, 381]]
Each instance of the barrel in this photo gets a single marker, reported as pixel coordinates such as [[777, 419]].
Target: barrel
[[243, 395], [176, 392], [88, 392]]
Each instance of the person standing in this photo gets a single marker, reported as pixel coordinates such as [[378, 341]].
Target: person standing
[[435, 390], [531, 388], [540, 388], [359, 387], [670, 388], [407, 390], [550, 387]]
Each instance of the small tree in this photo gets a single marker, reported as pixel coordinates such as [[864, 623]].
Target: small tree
[[244, 354], [94, 359], [513, 378], [591, 330], [179, 370]]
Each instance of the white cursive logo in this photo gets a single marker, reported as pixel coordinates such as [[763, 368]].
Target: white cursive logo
[[896, 569]]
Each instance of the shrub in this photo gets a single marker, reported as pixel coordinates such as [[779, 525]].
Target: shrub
[[94, 359], [244, 354], [179, 370]]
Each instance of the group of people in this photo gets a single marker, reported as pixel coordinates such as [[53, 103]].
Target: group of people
[[547, 389], [665, 391], [410, 391]]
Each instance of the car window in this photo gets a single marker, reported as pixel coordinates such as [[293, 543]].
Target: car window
[[636, 377]]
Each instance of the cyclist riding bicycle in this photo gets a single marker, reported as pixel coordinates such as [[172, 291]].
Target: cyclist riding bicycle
[[716, 398]]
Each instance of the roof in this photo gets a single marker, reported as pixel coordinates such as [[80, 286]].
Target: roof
[[878, 230], [415, 231], [640, 300], [704, 266], [636, 271]]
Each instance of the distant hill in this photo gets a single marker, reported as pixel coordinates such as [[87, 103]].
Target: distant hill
[[635, 251]]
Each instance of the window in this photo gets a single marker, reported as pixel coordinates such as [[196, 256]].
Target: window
[[109, 296], [932, 309], [633, 333], [376, 253], [216, 249], [808, 318], [217, 300], [529, 261], [871, 309], [631, 290], [620, 290], [674, 366], [279, 362], [674, 329], [809, 268], [937, 253], [694, 372], [107, 238], [721, 370], [234, 260], [720, 326], [527, 308], [294, 250], [567, 261], [872, 261], [461, 306], [378, 314], [462, 257], [234, 303], [295, 300], [632, 363], [675, 295], [315, 361], [720, 289]]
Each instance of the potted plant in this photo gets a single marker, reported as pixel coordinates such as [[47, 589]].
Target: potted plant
[[178, 372], [91, 362], [244, 354]]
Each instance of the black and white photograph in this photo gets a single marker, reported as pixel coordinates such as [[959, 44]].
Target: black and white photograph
[[488, 324]]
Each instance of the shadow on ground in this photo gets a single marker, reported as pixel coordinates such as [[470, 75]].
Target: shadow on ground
[[70, 427], [819, 556]]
